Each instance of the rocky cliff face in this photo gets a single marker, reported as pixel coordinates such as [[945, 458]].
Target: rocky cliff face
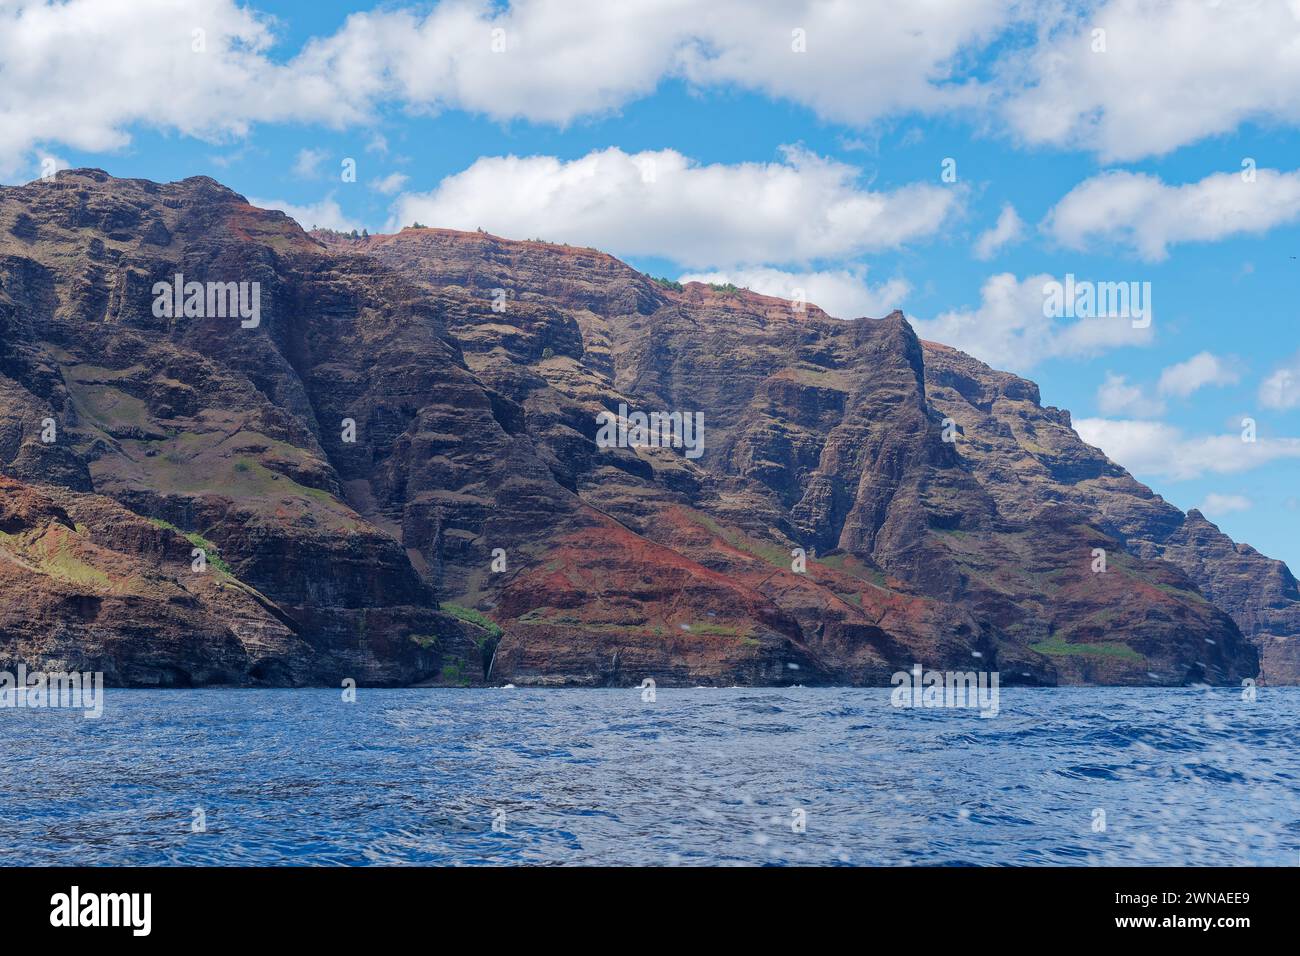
[[1030, 458], [394, 476]]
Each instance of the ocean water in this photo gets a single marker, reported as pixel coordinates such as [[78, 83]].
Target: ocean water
[[1183, 777]]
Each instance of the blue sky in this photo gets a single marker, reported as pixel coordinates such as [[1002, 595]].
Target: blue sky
[[704, 143]]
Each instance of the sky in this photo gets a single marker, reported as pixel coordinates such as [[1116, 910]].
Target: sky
[[950, 158]]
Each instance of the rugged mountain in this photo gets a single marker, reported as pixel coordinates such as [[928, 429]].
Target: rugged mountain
[[1029, 458], [396, 473]]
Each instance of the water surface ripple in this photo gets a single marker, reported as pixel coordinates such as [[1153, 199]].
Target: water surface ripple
[[1185, 777]]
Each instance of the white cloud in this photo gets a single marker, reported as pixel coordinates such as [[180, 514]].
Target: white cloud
[[390, 184], [326, 214], [563, 59], [85, 72], [864, 61], [1204, 368], [1008, 328], [1281, 390], [1217, 504], [1156, 449], [1008, 229], [1143, 213], [1171, 74], [843, 293], [664, 204], [307, 164], [1115, 396]]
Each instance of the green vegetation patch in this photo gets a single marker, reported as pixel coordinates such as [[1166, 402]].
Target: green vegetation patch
[[196, 465], [51, 554], [1057, 647], [110, 407], [477, 618], [721, 630], [62, 563], [1182, 593], [453, 672], [210, 550], [775, 555], [850, 564]]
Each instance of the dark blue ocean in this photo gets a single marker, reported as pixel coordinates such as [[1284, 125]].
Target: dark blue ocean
[[1060, 776]]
